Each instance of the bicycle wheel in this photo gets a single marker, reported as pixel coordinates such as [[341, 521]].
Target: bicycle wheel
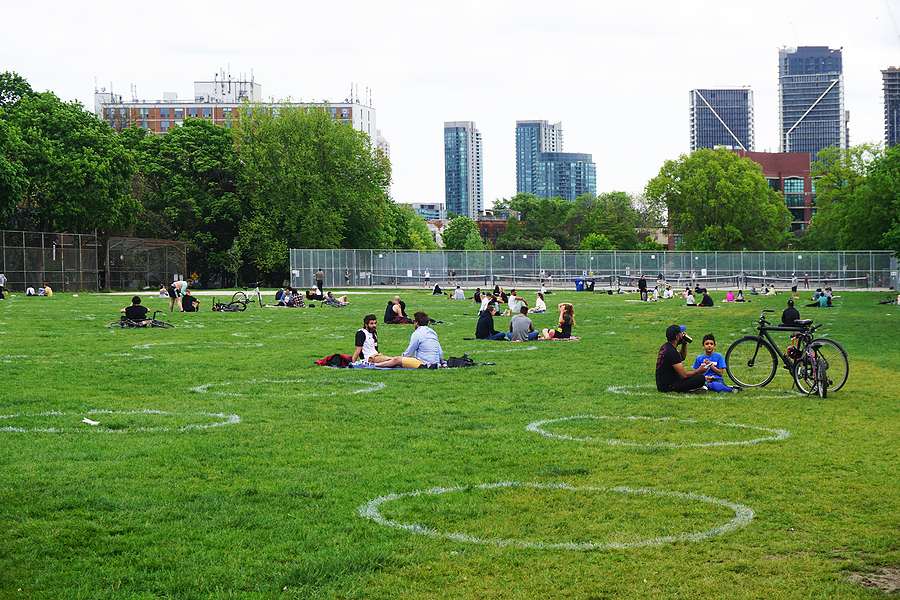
[[750, 362], [163, 324], [804, 376], [116, 324], [240, 297], [822, 378], [836, 365]]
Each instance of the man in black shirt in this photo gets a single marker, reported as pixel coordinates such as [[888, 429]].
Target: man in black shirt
[[671, 375], [135, 312], [642, 287], [485, 328], [790, 315]]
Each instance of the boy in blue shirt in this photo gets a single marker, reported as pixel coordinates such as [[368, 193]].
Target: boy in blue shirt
[[714, 380]]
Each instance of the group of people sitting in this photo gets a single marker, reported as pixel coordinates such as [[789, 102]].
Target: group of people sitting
[[41, 291], [291, 297], [708, 371], [521, 328], [822, 298]]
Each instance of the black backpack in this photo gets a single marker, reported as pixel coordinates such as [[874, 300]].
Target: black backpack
[[462, 361]]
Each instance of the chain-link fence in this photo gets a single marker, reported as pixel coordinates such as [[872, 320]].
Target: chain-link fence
[[138, 263], [64, 261], [407, 268]]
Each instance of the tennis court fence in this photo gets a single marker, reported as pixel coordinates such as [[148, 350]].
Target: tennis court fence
[[607, 270]]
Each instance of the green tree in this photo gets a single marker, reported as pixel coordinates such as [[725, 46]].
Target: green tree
[[719, 201], [473, 241], [407, 230], [13, 179], [457, 232], [13, 87], [187, 186], [856, 199], [611, 215], [309, 182], [541, 218], [595, 241], [78, 173]]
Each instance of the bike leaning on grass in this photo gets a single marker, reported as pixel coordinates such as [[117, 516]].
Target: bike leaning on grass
[[817, 365], [126, 323]]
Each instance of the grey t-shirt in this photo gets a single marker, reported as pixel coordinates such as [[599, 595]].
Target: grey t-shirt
[[520, 326]]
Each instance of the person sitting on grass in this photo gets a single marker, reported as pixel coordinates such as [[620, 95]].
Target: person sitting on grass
[[789, 315], [729, 297], [476, 298], [671, 375], [706, 300], [822, 302], [564, 327], [521, 328], [424, 350], [135, 312], [485, 328], [293, 298], [190, 303], [716, 366], [539, 305], [367, 345], [458, 294], [689, 299]]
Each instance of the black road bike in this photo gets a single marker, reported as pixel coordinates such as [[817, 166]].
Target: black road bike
[[818, 365], [126, 323]]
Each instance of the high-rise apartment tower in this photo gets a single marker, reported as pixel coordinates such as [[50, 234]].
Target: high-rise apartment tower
[[811, 113], [463, 184], [543, 169], [722, 118], [891, 79]]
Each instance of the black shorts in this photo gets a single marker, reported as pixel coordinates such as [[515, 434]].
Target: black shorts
[[793, 288], [173, 293]]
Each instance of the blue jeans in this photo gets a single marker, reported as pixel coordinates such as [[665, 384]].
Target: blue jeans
[[496, 336], [531, 336]]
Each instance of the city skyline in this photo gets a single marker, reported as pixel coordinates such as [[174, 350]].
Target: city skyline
[[617, 76]]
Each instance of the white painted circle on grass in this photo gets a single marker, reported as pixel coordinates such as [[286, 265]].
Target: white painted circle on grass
[[196, 346], [776, 434], [223, 419], [234, 389], [742, 517]]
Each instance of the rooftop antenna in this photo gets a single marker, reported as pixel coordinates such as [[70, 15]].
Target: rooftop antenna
[[95, 84]]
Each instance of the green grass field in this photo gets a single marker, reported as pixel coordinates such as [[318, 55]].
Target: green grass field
[[227, 465]]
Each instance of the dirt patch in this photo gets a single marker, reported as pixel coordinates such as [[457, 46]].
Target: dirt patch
[[887, 579]]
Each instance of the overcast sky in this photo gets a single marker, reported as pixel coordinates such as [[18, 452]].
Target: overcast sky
[[616, 74]]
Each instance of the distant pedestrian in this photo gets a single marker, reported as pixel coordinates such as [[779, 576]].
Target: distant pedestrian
[[320, 280]]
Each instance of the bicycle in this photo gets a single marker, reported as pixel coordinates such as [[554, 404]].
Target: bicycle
[[125, 323], [816, 364], [229, 306], [246, 297]]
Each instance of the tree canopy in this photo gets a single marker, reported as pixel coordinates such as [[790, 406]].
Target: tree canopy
[[309, 182], [857, 200], [77, 174], [457, 232], [717, 200]]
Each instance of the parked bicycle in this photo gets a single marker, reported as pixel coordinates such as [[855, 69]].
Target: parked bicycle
[[246, 297], [126, 323], [816, 364]]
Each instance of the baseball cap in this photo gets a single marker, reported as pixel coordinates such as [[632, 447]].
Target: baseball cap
[[673, 330]]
